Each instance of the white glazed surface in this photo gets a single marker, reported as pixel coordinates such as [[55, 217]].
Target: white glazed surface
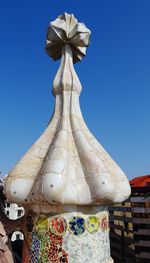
[[67, 165]]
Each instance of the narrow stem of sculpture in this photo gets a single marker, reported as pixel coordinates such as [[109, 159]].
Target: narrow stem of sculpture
[[66, 78]]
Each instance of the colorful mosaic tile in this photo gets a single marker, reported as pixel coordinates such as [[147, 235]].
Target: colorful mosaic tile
[[45, 244], [35, 249], [42, 224], [77, 225], [58, 225], [92, 224], [56, 254], [104, 223], [50, 243]]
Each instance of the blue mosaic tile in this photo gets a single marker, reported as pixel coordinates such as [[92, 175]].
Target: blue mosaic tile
[[77, 225], [35, 249]]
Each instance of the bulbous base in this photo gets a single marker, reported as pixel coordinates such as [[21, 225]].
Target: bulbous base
[[69, 237]]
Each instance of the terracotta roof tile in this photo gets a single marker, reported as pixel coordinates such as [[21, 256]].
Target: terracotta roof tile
[[140, 181]]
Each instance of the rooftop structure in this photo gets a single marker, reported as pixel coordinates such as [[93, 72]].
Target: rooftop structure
[[66, 179], [130, 225], [140, 181]]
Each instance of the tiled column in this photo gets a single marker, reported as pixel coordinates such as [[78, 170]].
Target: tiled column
[[74, 237]]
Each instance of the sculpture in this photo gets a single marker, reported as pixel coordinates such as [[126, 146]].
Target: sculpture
[[66, 179]]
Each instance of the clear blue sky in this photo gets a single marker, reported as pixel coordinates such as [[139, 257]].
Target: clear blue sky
[[115, 76]]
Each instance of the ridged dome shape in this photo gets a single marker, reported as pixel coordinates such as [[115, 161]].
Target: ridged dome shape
[[67, 165]]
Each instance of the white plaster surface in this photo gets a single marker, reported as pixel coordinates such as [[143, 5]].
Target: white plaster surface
[[93, 248]]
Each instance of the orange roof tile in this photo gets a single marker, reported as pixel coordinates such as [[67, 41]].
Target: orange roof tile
[[140, 181]]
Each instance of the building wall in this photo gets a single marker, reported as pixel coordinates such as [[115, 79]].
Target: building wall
[[17, 235], [130, 229], [140, 206], [121, 233], [13, 212]]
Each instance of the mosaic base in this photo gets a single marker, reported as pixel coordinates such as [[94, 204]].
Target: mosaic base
[[71, 237]]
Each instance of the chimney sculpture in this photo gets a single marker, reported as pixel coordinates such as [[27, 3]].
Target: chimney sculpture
[[66, 180]]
